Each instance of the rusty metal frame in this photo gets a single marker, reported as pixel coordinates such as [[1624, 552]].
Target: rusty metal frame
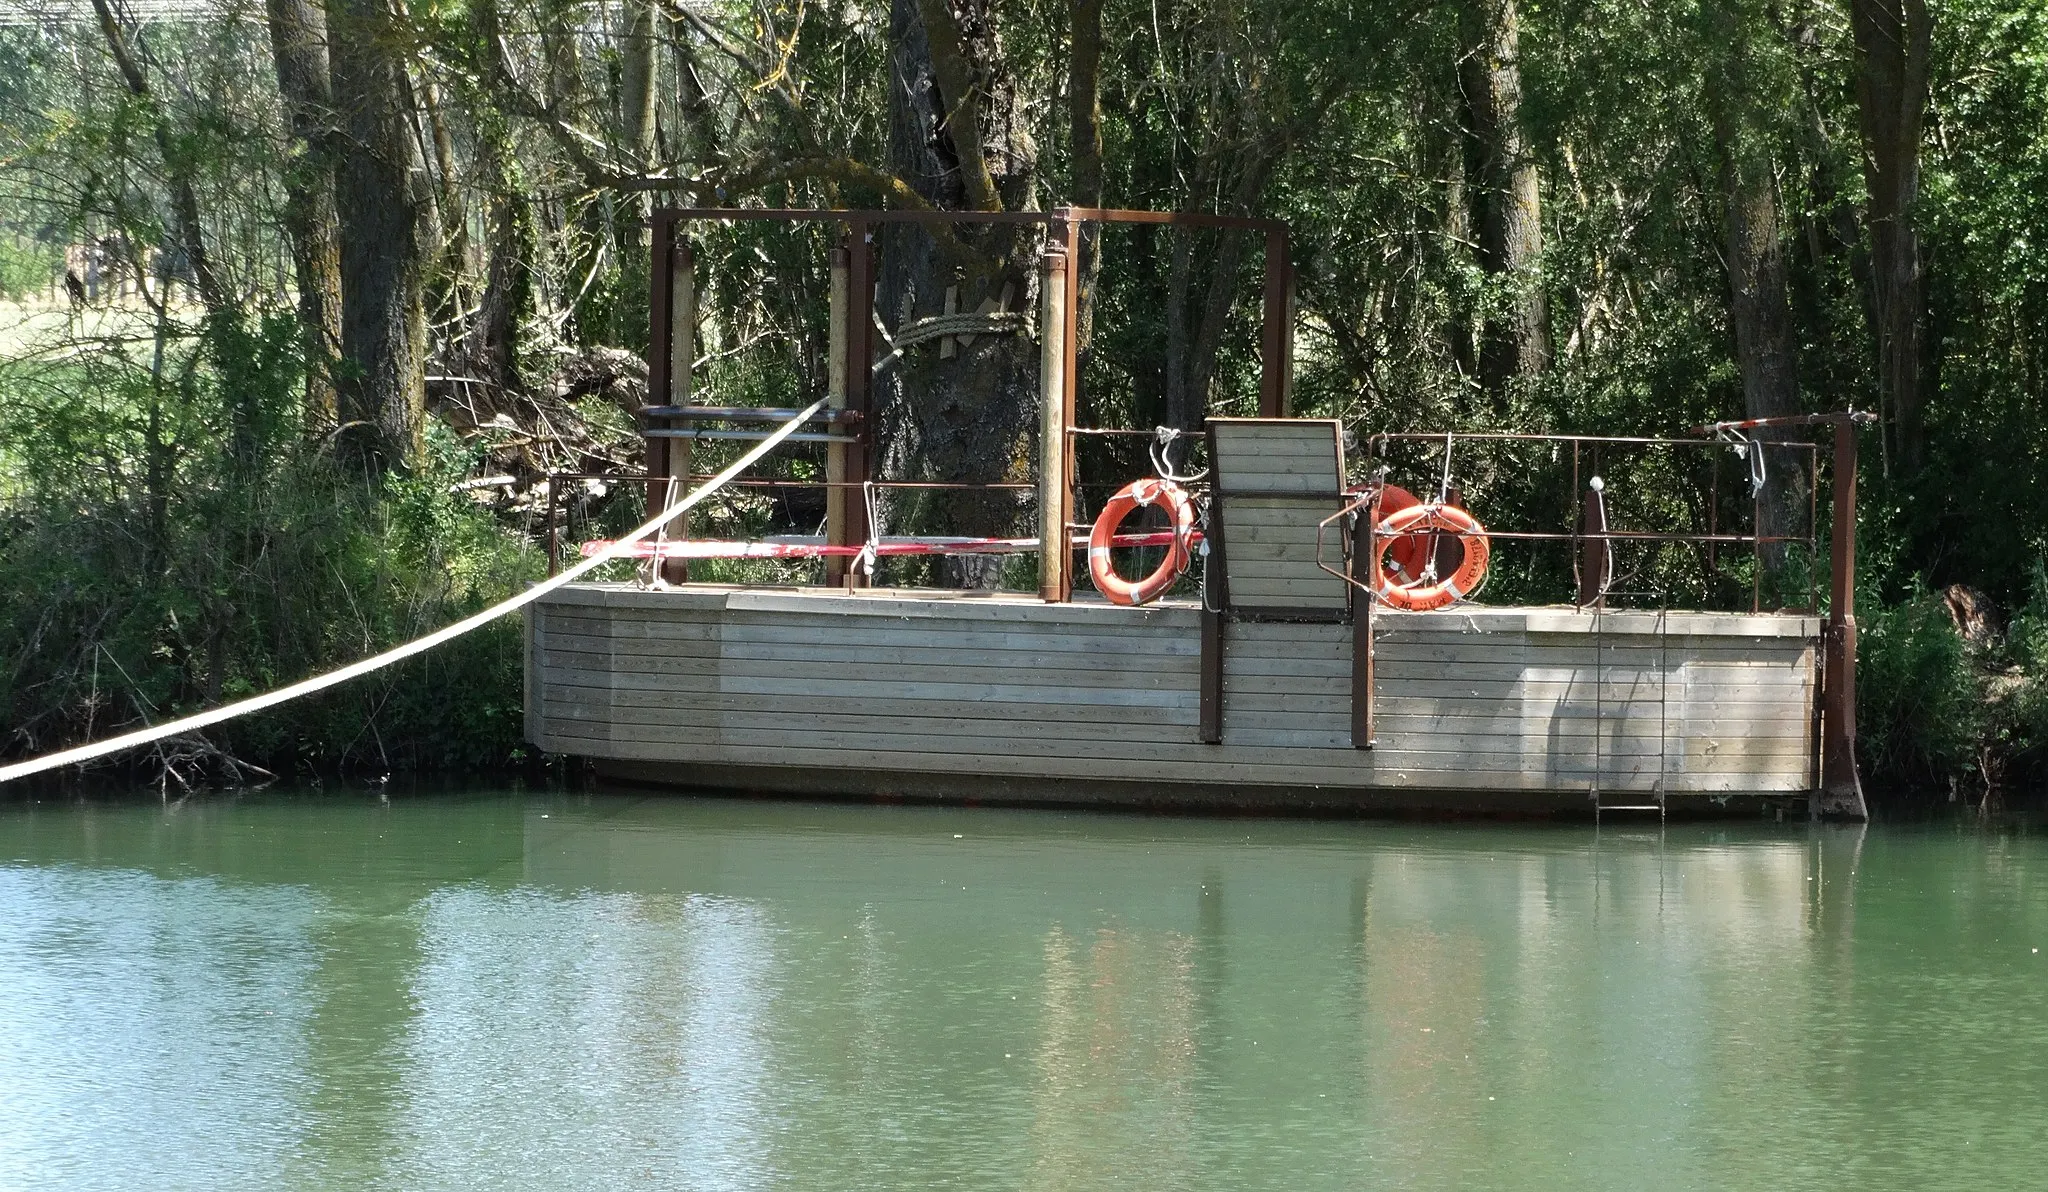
[[1063, 224], [1841, 788], [1063, 214]]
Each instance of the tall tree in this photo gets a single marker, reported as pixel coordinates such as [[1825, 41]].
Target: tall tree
[[382, 207], [1501, 178], [1893, 42], [1243, 96], [298, 47], [636, 83], [958, 412], [1084, 128], [180, 168], [1740, 104]]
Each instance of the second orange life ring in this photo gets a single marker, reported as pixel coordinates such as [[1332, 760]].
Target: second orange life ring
[[1128, 500], [1404, 526]]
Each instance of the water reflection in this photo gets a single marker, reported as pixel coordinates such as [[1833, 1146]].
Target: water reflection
[[1117, 1019], [120, 983], [564, 1011], [677, 994]]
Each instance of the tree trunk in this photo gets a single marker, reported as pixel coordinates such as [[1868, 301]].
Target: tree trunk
[[699, 141], [969, 414], [636, 83], [454, 211], [1194, 333], [1185, 407], [382, 207], [178, 166], [1457, 226], [1084, 114], [1759, 306], [1892, 43], [508, 272], [632, 239], [298, 46], [1501, 173], [1760, 316]]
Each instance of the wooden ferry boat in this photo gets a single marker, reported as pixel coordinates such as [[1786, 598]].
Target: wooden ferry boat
[[1287, 684]]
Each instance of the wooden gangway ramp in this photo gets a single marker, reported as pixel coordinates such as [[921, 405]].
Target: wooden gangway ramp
[[994, 697]]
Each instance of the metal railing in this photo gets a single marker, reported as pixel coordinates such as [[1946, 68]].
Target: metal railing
[[1588, 455]]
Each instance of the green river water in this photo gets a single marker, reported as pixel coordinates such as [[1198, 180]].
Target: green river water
[[612, 992]]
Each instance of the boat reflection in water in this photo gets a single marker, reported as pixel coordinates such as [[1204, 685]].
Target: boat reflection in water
[[610, 992]]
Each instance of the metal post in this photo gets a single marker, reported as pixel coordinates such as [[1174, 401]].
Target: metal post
[[1596, 552], [1714, 519], [835, 395], [1812, 528], [1364, 562], [1053, 552], [1276, 331], [1841, 792], [1756, 535], [554, 539]]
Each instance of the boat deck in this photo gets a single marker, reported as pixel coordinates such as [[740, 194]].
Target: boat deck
[[1002, 697]]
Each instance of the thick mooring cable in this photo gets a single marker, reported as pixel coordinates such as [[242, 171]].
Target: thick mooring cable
[[257, 703]]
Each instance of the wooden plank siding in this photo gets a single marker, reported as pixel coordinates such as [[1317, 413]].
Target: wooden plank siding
[[1273, 481], [972, 687]]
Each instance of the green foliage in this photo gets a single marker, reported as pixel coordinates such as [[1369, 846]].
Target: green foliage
[[172, 533], [2018, 692], [1920, 716], [177, 543], [26, 267]]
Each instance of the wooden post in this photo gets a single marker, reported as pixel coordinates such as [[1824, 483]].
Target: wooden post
[[1841, 792], [860, 356], [1276, 331], [1070, 394], [835, 396], [682, 349], [1053, 553], [662, 262]]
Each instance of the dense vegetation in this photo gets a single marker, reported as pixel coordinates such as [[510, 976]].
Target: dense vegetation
[[310, 296]]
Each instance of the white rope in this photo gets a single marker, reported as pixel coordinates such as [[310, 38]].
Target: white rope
[[1164, 440], [257, 703]]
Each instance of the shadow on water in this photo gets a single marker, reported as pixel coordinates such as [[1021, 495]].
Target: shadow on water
[[597, 990]]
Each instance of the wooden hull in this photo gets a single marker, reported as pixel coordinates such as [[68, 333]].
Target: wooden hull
[[998, 698]]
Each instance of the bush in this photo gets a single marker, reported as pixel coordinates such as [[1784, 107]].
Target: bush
[[2019, 695], [1920, 712], [171, 538], [26, 267]]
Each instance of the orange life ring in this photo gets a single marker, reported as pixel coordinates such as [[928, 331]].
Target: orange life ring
[[1413, 523], [1128, 500], [1410, 552]]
